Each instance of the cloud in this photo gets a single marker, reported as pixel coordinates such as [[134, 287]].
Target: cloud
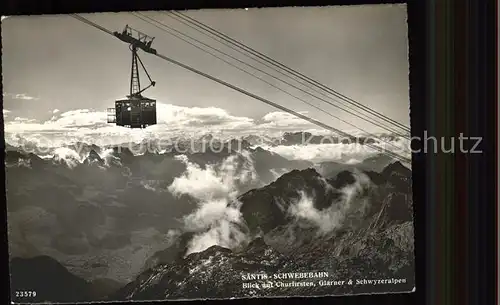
[[283, 117], [172, 121], [196, 118], [285, 121], [345, 153], [20, 119], [4, 17], [217, 218], [55, 111], [334, 217], [80, 118], [20, 96], [323, 152]]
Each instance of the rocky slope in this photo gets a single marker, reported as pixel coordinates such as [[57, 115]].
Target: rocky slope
[[369, 242]]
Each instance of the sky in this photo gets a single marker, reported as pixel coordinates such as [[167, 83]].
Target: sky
[[53, 64]]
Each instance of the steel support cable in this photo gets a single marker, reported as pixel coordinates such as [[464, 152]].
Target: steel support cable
[[85, 20], [260, 70], [275, 63], [144, 68], [166, 29], [282, 66], [317, 91], [231, 45], [299, 115], [270, 84], [397, 133]]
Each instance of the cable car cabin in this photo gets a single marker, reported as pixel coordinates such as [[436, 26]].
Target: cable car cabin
[[136, 111], [133, 113]]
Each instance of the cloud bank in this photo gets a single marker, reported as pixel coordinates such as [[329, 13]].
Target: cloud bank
[[91, 127], [75, 125]]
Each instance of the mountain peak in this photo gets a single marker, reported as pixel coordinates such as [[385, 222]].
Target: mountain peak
[[93, 154], [122, 151], [343, 178], [257, 243], [93, 158], [264, 208], [396, 168], [307, 173]]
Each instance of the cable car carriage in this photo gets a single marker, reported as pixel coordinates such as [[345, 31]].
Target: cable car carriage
[[136, 111], [133, 113]]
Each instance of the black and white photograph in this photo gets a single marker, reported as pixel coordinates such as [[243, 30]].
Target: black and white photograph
[[208, 154]]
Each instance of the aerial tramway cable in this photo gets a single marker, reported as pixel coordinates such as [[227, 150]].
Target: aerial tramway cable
[[85, 20], [299, 115], [169, 30], [197, 24], [234, 43], [253, 75]]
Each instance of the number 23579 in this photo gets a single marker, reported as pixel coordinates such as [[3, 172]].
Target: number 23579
[[25, 294]]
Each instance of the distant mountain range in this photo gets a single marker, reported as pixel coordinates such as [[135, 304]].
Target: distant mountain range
[[180, 143]]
